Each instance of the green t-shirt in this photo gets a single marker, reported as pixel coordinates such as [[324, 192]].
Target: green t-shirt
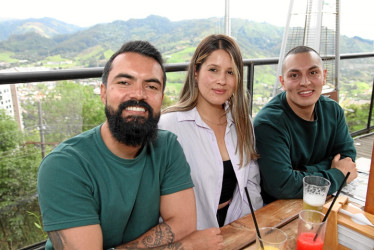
[[83, 183], [291, 148]]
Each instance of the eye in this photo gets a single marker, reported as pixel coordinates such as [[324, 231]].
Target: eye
[[293, 75], [212, 69], [314, 73], [230, 72], [123, 83], [153, 86]]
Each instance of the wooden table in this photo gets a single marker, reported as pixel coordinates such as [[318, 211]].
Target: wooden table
[[241, 234]]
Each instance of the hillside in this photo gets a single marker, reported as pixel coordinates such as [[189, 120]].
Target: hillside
[[47, 27], [47, 39]]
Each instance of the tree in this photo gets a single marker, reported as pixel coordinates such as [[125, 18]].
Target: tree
[[18, 165], [68, 108]]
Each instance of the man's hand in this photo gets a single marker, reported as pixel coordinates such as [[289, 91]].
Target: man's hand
[[210, 238], [345, 165]]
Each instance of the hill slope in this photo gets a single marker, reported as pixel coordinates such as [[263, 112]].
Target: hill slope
[[35, 40]]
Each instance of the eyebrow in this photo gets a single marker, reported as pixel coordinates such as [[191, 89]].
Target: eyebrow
[[218, 66], [125, 75], [297, 70]]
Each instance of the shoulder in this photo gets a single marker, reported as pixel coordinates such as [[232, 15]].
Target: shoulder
[[74, 149], [80, 140], [168, 117], [271, 112], [165, 136], [174, 121], [329, 107]]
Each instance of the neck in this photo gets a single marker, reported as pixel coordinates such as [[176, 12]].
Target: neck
[[119, 149], [212, 115], [306, 114]]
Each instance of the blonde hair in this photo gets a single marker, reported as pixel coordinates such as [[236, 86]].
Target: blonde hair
[[238, 102]]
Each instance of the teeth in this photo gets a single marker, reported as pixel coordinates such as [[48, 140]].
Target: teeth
[[139, 109], [305, 92]]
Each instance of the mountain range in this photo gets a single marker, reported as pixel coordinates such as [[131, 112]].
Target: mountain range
[[35, 40]]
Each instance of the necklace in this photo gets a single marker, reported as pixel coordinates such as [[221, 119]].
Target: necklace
[[214, 123]]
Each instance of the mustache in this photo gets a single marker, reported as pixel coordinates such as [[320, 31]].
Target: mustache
[[130, 103]]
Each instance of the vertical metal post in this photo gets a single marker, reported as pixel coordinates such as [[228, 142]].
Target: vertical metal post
[[337, 47], [250, 73], [370, 108], [227, 18], [283, 48], [41, 130]]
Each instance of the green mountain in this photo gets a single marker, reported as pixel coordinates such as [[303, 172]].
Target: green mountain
[[47, 27], [37, 40]]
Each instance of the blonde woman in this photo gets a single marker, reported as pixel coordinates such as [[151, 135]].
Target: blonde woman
[[213, 125]]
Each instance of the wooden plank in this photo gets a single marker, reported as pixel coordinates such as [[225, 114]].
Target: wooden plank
[[369, 203], [242, 232]]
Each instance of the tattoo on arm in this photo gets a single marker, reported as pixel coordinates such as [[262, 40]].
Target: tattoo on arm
[[161, 235], [172, 246], [57, 239]]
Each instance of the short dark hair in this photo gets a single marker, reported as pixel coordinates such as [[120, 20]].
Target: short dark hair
[[298, 50], [141, 47]]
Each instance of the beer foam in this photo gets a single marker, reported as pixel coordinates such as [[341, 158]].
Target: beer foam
[[314, 200]]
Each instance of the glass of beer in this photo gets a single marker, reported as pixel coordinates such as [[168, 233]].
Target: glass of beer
[[272, 238], [315, 189]]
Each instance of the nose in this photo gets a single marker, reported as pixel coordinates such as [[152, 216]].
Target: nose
[[222, 79], [138, 92], [304, 81]]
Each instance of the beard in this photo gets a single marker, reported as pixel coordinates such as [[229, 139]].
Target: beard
[[132, 130]]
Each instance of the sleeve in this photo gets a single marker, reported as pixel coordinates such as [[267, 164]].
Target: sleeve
[[253, 185], [279, 179], [65, 193], [344, 143], [277, 175], [177, 175]]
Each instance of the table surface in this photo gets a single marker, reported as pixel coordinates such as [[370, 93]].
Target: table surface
[[241, 234]]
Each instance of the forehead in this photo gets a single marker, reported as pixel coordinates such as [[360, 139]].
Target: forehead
[[219, 56], [136, 65], [302, 61]]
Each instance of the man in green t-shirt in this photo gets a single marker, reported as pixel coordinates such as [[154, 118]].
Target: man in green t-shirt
[[300, 132], [123, 184]]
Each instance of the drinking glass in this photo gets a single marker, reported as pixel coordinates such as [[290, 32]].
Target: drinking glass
[[310, 222], [272, 238], [315, 189]]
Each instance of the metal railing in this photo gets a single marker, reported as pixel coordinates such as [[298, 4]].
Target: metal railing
[[70, 74]]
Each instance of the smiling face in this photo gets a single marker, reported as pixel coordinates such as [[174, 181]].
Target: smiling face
[[303, 78], [133, 98], [216, 79]]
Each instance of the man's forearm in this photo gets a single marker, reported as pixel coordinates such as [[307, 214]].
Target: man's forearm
[[159, 237]]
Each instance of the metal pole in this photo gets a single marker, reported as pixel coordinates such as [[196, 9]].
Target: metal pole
[[227, 18], [250, 77], [41, 130], [337, 48]]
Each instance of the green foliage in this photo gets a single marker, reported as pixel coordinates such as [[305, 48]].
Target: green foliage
[[9, 136], [68, 108], [18, 165], [38, 223], [356, 116], [18, 228]]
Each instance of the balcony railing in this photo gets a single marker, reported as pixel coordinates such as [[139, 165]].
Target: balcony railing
[[85, 73]]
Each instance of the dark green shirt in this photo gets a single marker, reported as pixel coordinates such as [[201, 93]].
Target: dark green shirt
[[83, 183], [291, 148]]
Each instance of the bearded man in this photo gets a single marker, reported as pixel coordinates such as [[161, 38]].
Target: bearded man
[[108, 187]]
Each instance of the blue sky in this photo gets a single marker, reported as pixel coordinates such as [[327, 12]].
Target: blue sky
[[356, 15]]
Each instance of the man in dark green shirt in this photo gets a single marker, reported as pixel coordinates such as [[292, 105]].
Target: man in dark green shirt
[[300, 132], [109, 186]]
